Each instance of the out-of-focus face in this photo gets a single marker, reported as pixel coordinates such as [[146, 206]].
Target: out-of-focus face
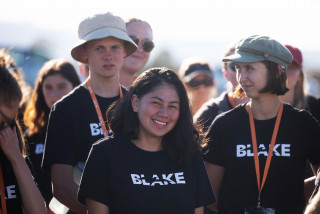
[[200, 89], [54, 87], [136, 61], [8, 115], [231, 74], [293, 75], [158, 111], [253, 77], [105, 57]]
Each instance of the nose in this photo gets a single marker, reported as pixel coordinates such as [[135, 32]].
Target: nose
[[163, 112], [241, 77], [108, 54]]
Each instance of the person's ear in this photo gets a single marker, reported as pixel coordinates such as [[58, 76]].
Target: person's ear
[[135, 103], [281, 69]]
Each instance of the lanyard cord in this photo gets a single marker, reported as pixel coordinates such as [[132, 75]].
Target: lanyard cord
[[255, 150], [3, 196], [97, 107]]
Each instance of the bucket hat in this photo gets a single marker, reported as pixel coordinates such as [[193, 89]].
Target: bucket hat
[[101, 26], [296, 53], [259, 48]]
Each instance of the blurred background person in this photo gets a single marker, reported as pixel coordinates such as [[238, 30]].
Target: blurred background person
[[141, 33], [226, 101], [19, 193], [56, 78], [296, 95], [199, 81]]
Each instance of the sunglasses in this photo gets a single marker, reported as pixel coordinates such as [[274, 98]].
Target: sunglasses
[[147, 44], [9, 122], [194, 83]]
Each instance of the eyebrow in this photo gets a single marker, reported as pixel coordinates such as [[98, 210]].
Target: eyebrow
[[158, 98]]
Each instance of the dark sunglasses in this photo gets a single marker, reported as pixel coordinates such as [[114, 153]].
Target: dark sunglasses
[[232, 66], [9, 122], [194, 83], [147, 44]]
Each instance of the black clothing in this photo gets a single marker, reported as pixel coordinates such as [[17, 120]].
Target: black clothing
[[130, 180], [230, 146], [73, 127]]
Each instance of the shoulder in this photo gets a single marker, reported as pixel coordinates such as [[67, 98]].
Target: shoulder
[[113, 142], [78, 94]]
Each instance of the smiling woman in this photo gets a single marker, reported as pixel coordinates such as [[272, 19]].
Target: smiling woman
[[154, 153]]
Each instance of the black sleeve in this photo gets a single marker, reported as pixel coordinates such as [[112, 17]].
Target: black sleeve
[[204, 194], [314, 107], [205, 115], [95, 177], [213, 151], [313, 139], [59, 144]]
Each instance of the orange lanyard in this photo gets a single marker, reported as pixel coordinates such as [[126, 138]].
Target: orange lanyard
[[3, 196], [97, 107], [255, 150]]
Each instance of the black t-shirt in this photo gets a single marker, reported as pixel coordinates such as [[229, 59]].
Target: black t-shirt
[[208, 111], [230, 146], [35, 145], [313, 106], [11, 188], [130, 180], [73, 127]]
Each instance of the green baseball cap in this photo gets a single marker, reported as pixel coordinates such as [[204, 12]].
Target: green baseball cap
[[259, 48]]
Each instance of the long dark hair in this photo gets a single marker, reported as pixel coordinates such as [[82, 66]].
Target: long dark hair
[[10, 92], [182, 143], [37, 112]]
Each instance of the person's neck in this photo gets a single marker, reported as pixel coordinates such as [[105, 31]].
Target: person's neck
[[266, 107], [148, 143], [288, 97], [238, 101], [105, 87], [126, 78]]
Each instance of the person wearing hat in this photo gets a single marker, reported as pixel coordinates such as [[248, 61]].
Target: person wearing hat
[[199, 81], [77, 120], [255, 153], [225, 102]]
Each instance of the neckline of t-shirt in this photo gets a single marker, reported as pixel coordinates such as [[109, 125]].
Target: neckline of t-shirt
[[99, 97], [258, 120], [132, 145]]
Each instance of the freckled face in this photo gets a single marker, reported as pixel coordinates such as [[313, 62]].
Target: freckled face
[[158, 111]]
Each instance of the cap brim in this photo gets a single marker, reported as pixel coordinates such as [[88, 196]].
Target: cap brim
[[243, 57], [131, 47], [196, 73]]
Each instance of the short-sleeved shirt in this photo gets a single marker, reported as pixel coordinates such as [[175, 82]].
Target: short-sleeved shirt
[[230, 146], [73, 127], [130, 180], [11, 188]]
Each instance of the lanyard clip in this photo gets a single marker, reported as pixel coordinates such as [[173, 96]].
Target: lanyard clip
[[259, 205]]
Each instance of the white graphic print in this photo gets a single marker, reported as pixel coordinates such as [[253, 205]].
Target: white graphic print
[[96, 129], [278, 150], [163, 179]]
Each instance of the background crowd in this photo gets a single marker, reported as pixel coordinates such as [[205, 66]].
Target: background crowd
[[115, 117]]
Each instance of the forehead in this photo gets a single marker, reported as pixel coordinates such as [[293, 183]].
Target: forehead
[[249, 63], [164, 91], [140, 29], [105, 41], [54, 78]]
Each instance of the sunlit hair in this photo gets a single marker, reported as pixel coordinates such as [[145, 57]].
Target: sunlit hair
[[276, 83], [10, 92], [37, 111], [182, 143], [131, 20]]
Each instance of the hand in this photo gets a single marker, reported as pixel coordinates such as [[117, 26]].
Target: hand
[[9, 143]]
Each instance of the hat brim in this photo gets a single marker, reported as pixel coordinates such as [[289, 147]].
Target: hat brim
[[196, 73], [130, 46], [247, 57]]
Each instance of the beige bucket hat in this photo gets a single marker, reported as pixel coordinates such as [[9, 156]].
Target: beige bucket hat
[[101, 26]]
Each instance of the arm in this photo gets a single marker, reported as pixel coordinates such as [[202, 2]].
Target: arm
[[64, 188], [314, 206], [33, 203], [95, 207], [215, 173], [198, 210]]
